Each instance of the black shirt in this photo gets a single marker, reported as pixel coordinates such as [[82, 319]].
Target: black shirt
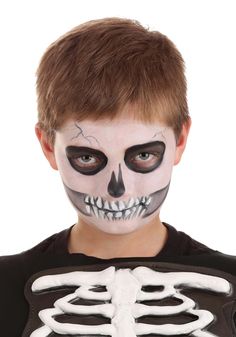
[[180, 253]]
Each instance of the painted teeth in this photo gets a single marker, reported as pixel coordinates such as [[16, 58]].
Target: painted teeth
[[106, 205], [99, 202], [96, 211], [114, 207], [124, 215], [133, 211], [131, 202], [127, 212], [88, 209], [143, 200], [143, 211], [137, 201], [121, 205], [112, 210], [139, 210], [101, 214], [118, 214], [110, 216]]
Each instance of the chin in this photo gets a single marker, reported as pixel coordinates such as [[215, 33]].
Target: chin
[[119, 230], [119, 227]]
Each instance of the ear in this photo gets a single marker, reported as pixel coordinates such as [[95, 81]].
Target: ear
[[47, 148], [182, 140]]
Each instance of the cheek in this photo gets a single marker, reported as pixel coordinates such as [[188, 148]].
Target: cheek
[[89, 184], [153, 181]]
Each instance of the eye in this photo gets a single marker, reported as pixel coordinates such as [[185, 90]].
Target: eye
[[85, 160], [145, 159], [144, 156]]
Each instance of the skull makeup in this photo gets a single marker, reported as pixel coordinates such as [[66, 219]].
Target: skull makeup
[[116, 173]]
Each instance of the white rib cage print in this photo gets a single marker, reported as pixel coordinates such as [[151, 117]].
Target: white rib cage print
[[122, 302]]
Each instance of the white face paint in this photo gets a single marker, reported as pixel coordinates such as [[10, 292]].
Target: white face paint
[[116, 173]]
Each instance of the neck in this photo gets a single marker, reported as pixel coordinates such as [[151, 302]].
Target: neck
[[144, 242]]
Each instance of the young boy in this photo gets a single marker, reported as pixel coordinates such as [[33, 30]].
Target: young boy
[[113, 119]]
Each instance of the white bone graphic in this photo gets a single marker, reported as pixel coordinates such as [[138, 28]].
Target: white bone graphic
[[124, 292]]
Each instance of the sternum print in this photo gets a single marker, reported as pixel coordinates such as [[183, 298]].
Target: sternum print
[[124, 292], [122, 302]]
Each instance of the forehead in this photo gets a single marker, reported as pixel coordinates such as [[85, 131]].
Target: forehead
[[120, 132]]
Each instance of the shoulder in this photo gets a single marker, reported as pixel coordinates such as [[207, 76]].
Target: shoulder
[[192, 246], [14, 272], [14, 269], [181, 244], [16, 264], [212, 260], [224, 262], [208, 257], [188, 251], [10, 263]]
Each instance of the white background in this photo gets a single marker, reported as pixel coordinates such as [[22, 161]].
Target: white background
[[202, 199]]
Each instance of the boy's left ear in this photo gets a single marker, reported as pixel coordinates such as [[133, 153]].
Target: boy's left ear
[[182, 140]]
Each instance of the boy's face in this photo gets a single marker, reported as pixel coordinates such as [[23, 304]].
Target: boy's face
[[116, 173]]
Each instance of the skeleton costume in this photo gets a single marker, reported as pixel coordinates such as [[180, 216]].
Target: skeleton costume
[[187, 289]]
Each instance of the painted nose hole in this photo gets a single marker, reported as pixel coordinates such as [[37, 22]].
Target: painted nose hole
[[116, 187]]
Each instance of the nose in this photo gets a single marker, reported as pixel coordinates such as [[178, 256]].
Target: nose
[[116, 187]]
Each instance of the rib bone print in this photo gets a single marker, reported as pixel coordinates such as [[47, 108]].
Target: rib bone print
[[122, 302]]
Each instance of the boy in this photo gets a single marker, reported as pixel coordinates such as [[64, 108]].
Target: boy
[[113, 119]]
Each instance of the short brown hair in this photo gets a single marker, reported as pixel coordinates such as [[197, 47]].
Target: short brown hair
[[100, 66]]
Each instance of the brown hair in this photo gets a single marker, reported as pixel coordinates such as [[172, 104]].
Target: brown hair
[[101, 66]]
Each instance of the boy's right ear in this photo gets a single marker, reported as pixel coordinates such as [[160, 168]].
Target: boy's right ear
[[47, 148]]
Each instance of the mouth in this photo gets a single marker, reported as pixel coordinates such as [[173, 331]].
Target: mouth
[[117, 210]]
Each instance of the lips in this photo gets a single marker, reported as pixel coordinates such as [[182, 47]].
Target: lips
[[117, 210]]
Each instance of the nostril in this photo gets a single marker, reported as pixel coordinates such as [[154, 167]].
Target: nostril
[[116, 188], [116, 191]]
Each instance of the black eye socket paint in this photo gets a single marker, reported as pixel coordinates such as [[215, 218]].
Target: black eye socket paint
[[74, 153], [155, 149]]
